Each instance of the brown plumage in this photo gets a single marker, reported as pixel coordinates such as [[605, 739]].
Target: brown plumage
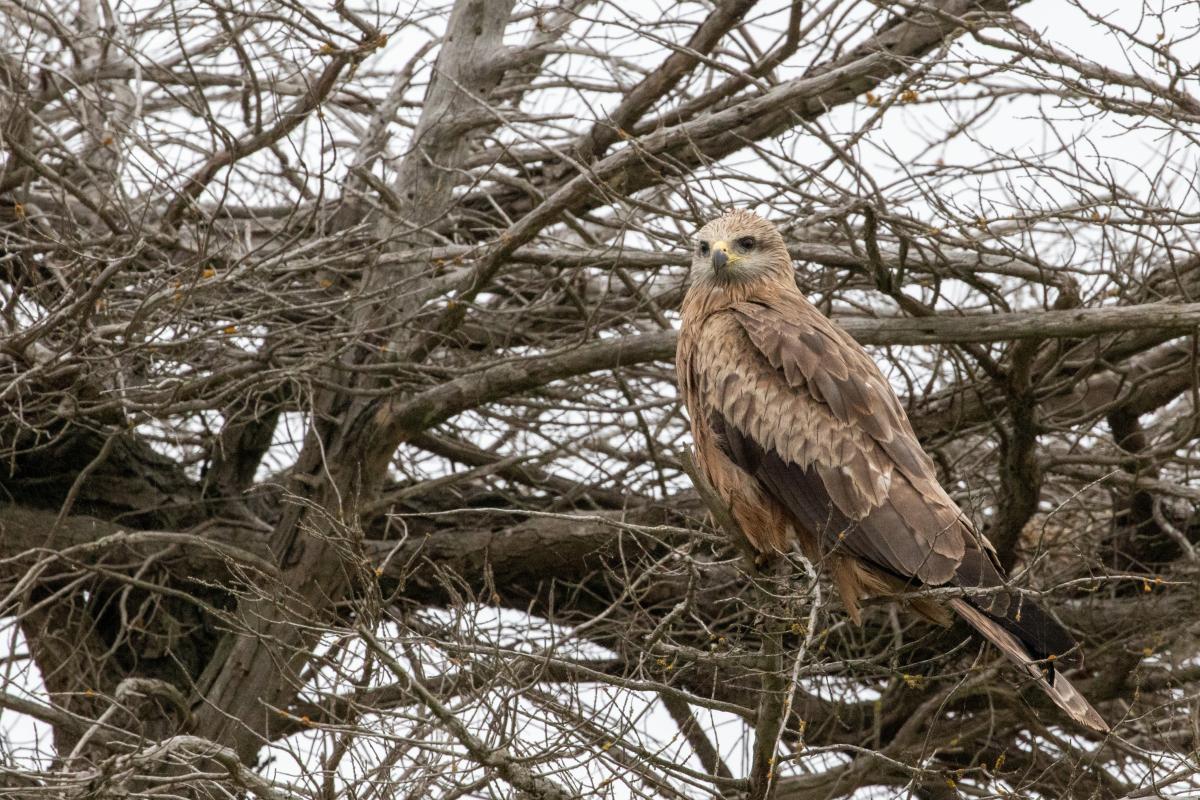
[[799, 432]]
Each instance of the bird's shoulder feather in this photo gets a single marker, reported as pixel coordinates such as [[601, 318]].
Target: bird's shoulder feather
[[802, 407]]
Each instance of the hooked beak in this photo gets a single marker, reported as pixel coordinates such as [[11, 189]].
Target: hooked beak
[[720, 255]]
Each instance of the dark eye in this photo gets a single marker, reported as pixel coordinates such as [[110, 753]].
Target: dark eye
[[703, 248], [746, 244]]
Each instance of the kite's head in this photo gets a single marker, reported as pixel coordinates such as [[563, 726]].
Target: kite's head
[[739, 247]]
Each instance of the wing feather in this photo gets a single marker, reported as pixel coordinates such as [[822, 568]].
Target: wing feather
[[813, 419], [802, 431]]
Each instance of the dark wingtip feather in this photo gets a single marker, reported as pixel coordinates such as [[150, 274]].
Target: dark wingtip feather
[[1064, 695], [1042, 636]]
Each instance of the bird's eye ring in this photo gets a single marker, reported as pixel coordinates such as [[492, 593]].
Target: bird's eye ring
[[703, 248], [745, 244]]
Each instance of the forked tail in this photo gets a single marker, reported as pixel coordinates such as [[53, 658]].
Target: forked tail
[[1052, 681]]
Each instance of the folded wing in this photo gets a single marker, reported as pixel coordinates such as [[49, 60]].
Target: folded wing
[[799, 406]]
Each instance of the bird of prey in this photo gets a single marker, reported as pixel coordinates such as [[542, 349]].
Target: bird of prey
[[802, 437]]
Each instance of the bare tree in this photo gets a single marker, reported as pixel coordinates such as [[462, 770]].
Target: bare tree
[[342, 453]]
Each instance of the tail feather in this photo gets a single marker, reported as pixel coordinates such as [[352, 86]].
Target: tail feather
[[1053, 683]]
